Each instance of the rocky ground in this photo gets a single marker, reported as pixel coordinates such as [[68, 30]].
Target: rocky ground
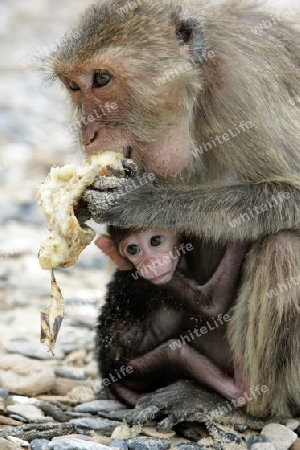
[[49, 402]]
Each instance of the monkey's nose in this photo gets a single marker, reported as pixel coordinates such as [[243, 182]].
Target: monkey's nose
[[88, 136]]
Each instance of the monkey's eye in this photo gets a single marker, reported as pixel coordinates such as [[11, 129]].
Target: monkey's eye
[[133, 249], [101, 79], [73, 86], [155, 241]]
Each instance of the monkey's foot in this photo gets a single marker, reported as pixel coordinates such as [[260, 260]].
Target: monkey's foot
[[179, 402], [186, 401]]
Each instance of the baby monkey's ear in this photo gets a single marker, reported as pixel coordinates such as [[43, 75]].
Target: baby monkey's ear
[[107, 246]]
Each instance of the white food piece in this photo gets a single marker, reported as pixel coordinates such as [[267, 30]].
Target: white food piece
[[58, 195]]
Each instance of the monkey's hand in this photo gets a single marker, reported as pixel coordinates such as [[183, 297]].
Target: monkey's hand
[[181, 401]]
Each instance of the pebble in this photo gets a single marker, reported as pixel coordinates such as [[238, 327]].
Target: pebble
[[124, 432], [6, 445], [189, 446], [29, 412], [25, 376], [40, 444], [99, 405], [22, 400], [4, 393], [9, 421], [64, 386], [296, 445], [119, 444], [74, 374], [31, 349], [152, 432], [240, 428], [263, 446], [292, 424], [120, 415], [279, 435], [256, 438], [53, 411], [73, 338], [76, 444], [105, 426], [144, 443]]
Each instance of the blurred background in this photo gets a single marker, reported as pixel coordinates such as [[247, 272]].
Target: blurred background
[[34, 136]]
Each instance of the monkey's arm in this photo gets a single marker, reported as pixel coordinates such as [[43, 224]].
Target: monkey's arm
[[215, 296], [225, 213]]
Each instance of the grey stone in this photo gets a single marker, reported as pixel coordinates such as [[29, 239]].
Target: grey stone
[[120, 414], [119, 444], [99, 405], [29, 412], [75, 444], [8, 445], [256, 438], [279, 435], [40, 444], [74, 374], [263, 446], [53, 411], [34, 350], [189, 446], [4, 393], [106, 427], [144, 443]]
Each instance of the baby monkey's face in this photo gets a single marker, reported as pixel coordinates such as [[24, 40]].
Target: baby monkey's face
[[153, 253]]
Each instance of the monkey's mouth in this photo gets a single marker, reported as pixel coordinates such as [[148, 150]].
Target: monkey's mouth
[[164, 278], [127, 151]]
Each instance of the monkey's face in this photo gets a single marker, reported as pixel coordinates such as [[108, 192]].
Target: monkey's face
[[115, 73], [154, 253]]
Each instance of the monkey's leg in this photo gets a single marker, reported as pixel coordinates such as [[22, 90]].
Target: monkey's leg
[[214, 297], [265, 328], [190, 363]]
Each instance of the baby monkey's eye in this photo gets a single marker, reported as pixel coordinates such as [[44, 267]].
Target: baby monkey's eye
[[133, 249], [73, 86], [155, 241]]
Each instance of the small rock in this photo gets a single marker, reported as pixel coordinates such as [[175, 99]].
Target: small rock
[[256, 438], [279, 435], [64, 386], [123, 432], [24, 376], [9, 421], [292, 424], [119, 444], [29, 412], [18, 441], [4, 393], [75, 444], [77, 358], [6, 445], [120, 414], [73, 373], [91, 423], [73, 338], [40, 444], [35, 350], [189, 446], [263, 446], [144, 443], [99, 405], [53, 411], [152, 432], [18, 418], [296, 445], [22, 400], [240, 428]]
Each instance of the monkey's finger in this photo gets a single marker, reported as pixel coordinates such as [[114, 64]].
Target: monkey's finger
[[168, 423], [143, 415], [107, 183], [130, 167]]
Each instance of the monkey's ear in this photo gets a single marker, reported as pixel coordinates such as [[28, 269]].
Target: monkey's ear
[[189, 31]]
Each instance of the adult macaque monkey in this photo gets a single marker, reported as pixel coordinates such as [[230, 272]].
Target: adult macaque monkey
[[204, 102], [165, 321]]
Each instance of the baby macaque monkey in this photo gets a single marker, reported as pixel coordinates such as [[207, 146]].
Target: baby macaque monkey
[[148, 312]]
